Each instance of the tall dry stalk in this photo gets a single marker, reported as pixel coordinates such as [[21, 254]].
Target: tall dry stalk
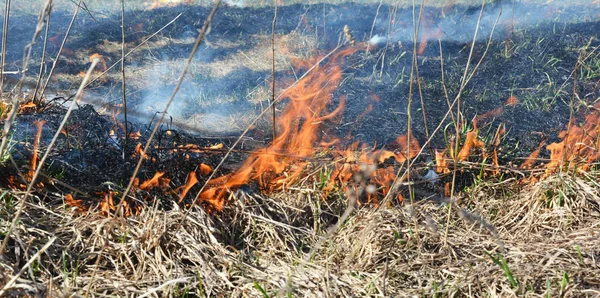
[[273, 71], [123, 76], [42, 63], [4, 38], [62, 45]]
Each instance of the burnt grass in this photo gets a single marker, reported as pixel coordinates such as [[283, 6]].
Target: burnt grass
[[533, 61]]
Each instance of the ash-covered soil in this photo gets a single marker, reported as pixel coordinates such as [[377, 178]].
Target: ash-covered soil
[[531, 55]]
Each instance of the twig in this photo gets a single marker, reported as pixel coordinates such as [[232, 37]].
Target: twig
[[46, 154], [123, 75], [571, 115], [15, 102], [42, 19], [166, 284]]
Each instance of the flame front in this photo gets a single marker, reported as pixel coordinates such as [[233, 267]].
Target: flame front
[[299, 130]]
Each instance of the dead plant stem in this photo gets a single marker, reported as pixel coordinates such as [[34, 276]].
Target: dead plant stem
[[418, 77], [457, 125], [62, 45], [42, 64], [123, 76], [4, 38], [273, 71], [15, 100], [416, 23], [571, 114]]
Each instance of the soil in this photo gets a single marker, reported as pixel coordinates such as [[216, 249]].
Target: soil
[[531, 56]]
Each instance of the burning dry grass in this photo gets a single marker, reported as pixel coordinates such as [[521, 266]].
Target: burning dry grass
[[547, 234]]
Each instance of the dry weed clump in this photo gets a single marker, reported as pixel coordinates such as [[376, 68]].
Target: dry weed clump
[[262, 246]]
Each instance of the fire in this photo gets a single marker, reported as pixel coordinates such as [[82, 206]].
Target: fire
[[299, 128], [302, 133], [530, 162], [135, 135], [27, 106], [76, 204], [39, 124], [426, 33], [102, 61], [191, 181], [579, 144], [137, 152], [155, 181]]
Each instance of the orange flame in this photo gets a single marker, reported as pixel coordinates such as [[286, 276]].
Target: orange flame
[[102, 61], [27, 106], [155, 181], [77, 204], [299, 129], [579, 145], [39, 124], [530, 162], [191, 181]]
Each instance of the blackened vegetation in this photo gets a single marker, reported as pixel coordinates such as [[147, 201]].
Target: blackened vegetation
[[533, 62]]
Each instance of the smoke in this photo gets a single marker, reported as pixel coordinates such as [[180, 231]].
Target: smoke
[[458, 23], [205, 105]]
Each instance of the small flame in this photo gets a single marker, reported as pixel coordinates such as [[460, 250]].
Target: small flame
[[103, 66], [39, 124], [189, 183], [76, 204], [135, 135], [530, 162], [579, 145], [153, 182], [26, 106]]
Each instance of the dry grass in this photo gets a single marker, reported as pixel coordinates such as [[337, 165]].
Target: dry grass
[[549, 240]]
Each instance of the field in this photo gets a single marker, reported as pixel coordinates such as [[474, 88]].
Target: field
[[322, 149]]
